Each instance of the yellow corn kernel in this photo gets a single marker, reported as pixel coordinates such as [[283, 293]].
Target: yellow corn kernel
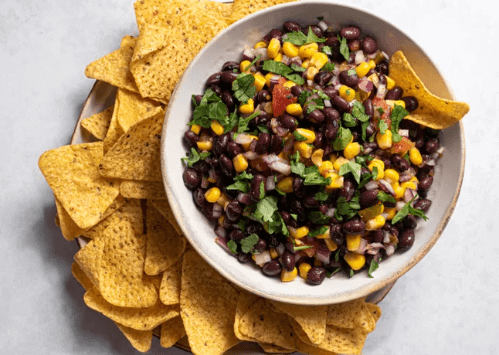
[[260, 45], [331, 245], [240, 163], [339, 162], [196, 128], [347, 93], [414, 179], [278, 57], [318, 60], [247, 108], [325, 167], [205, 145], [311, 72], [304, 268], [371, 212], [375, 223], [317, 157], [336, 181], [351, 150], [391, 212], [415, 156], [259, 82], [221, 221], [390, 83], [290, 49], [243, 66], [408, 185], [306, 63], [217, 128], [286, 185], [212, 195], [380, 166], [362, 69], [392, 175], [333, 157], [273, 253], [353, 241], [400, 103], [212, 180], [246, 146], [325, 235], [273, 48], [304, 149], [301, 232], [399, 190], [267, 78], [287, 276], [384, 140], [294, 109], [308, 50], [355, 261], [307, 133], [289, 84], [223, 200], [372, 64]]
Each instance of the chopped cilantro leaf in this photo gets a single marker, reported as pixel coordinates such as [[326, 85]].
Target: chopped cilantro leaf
[[282, 69], [280, 192], [303, 247], [351, 167], [382, 126], [375, 173], [327, 50], [318, 231], [384, 197], [263, 129], [297, 68], [397, 116], [380, 110], [243, 122], [242, 186], [331, 273], [312, 38], [210, 108], [295, 78], [303, 97], [296, 38], [248, 243], [297, 167], [314, 105], [406, 210], [337, 256], [262, 190], [294, 216], [359, 112], [194, 157], [321, 196], [349, 120], [363, 127], [342, 139], [318, 217], [253, 62], [244, 176], [243, 87], [373, 267], [265, 208], [406, 157], [299, 137], [329, 67], [312, 176], [348, 209], [242, 224], [194, 103], [363, 160], [352, 273], [345, 52], [232, 246], [351, 72]]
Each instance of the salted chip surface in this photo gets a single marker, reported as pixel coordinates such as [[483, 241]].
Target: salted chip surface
[[352, 314], [73, 174], [164, 246], [98, 124], [274, 349], [169, 290], [311, 349], [244, 302], [132, 108], [68, 227], [89, 259], [114, 132], [343, 341], [140, 189], [136, 154], [208, 307], [243, 8], [375, 311], [164, 208], [121, 276], [140, 339], [266, 326], [80, 276], [172, 331], [312, 319], [433, 111], [136, 318], [113, 68]]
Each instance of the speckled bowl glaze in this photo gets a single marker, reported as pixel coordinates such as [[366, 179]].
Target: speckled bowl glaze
[[228, 45]]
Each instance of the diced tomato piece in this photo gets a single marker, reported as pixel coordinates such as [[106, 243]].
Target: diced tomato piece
[[402, 147], [281, 97], [385, 116], [281, 80]]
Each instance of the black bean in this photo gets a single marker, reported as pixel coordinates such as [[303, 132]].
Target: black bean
[[419, 141], [198, 98], [298, 186], [393, 230], [316, 116], [262, 119], [201, 166], [261, 97], [432, 145], [253, 228], [275, 144], [236, 235], [230, 66], [228, 77], [354, 44], [378, 236], [234, 149], [369, 73], [288, 121], [394, 94], [406, 240], [425, 183], [286, 217], [411, 103], [220, 144], [190, 139], [260, 246], [319, 139], [331, 114], [216, 89], [337, 234], [272, 268], [348, 189], [191, 178], [355, 135], [349, 78], [368, 198], [255, 186], [316, 275], [334, 43], [382, 79], [290, 26], [382, 68], [350, 32], [387, 162], [310, 202], [341, 104], [213, 161], [296, 207], [331, 131], [400, 163], [214, 79], [288, 261], [274, 33], [297, 90], [316, 30], [226, 165], [322, 78], [370, 130], [354, 227], [369, 108], [198, 196], [234, 210], [228, 100], [422, 204], [243, 258], [369, 45], [330, 91], [262, 145], [410, 222]]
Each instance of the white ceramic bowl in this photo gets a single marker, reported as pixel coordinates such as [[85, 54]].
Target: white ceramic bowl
[[228, 45]]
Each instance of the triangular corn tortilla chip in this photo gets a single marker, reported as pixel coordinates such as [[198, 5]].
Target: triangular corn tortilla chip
[[113, 68], [164, 245], [140, 189], [244, 302], [169, 291], [136, 155], [243, 8], [343, 341], [140, 339], [98, 124], [68, 227], [274, 349], [114, 131], [132, 108], [80, 276], [352, 314], [171, 331], [375, 311], [164, 208], [73, 174], [89, 259], [311, 349], [433, 111], [208, 307]]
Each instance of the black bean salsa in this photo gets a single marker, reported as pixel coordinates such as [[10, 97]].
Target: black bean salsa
[[300, 155]]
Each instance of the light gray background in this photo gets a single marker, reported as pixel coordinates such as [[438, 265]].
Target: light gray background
[[447, 304]]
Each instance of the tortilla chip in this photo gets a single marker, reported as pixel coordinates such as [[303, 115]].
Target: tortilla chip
[[266, 326], [343, 341], [80, 276], [72, 173], [136, 155], [164, 245], [114, 67], [172, 331], [352, 314], [312, 319], [89, 259], [375, 311], [207, 306], [98, 124], [132, 108], [140, 339], [244, 302], [164, 208], [169, 291], [146, 190], [121, 281], [243, 8], [136, 318], [114, 132], [433, 111], [299, 331], [311, 349], [68, 227], [274, 349]]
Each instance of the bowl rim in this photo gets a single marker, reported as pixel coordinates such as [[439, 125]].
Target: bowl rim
[[363, 290]]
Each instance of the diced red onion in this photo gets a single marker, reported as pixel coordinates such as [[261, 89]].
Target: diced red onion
[[374, 248], [390, 249], [362, 246], [223, 243], [365, 85], [212, 174], [285, 60], [290, 246], [330, 212], [323, 254], [381, 91], [310, 82], [250, 155], [274, 80], [385, 215], [270, 183], [248, 54], [405, 176], [245, 199], [441, 150], [253, 144], [435, 156], [359, 57], [411, 171], [281, 167], [298, 256], [262, 52], [243, 138], [277, 128], [297, 60], [280, 249], [288, 146], [431, 162], [336, 71], [220, 231], [337, 87], [327, 103], [409, 195], [372, 185], [386, 237], [387, 186], [217, 211], [205, 183], [372, 55], [323, 25], [262, 258], [399, 205], [404, 132]]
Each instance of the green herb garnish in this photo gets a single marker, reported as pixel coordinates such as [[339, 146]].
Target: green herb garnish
[[406, 210], [194, 157]]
